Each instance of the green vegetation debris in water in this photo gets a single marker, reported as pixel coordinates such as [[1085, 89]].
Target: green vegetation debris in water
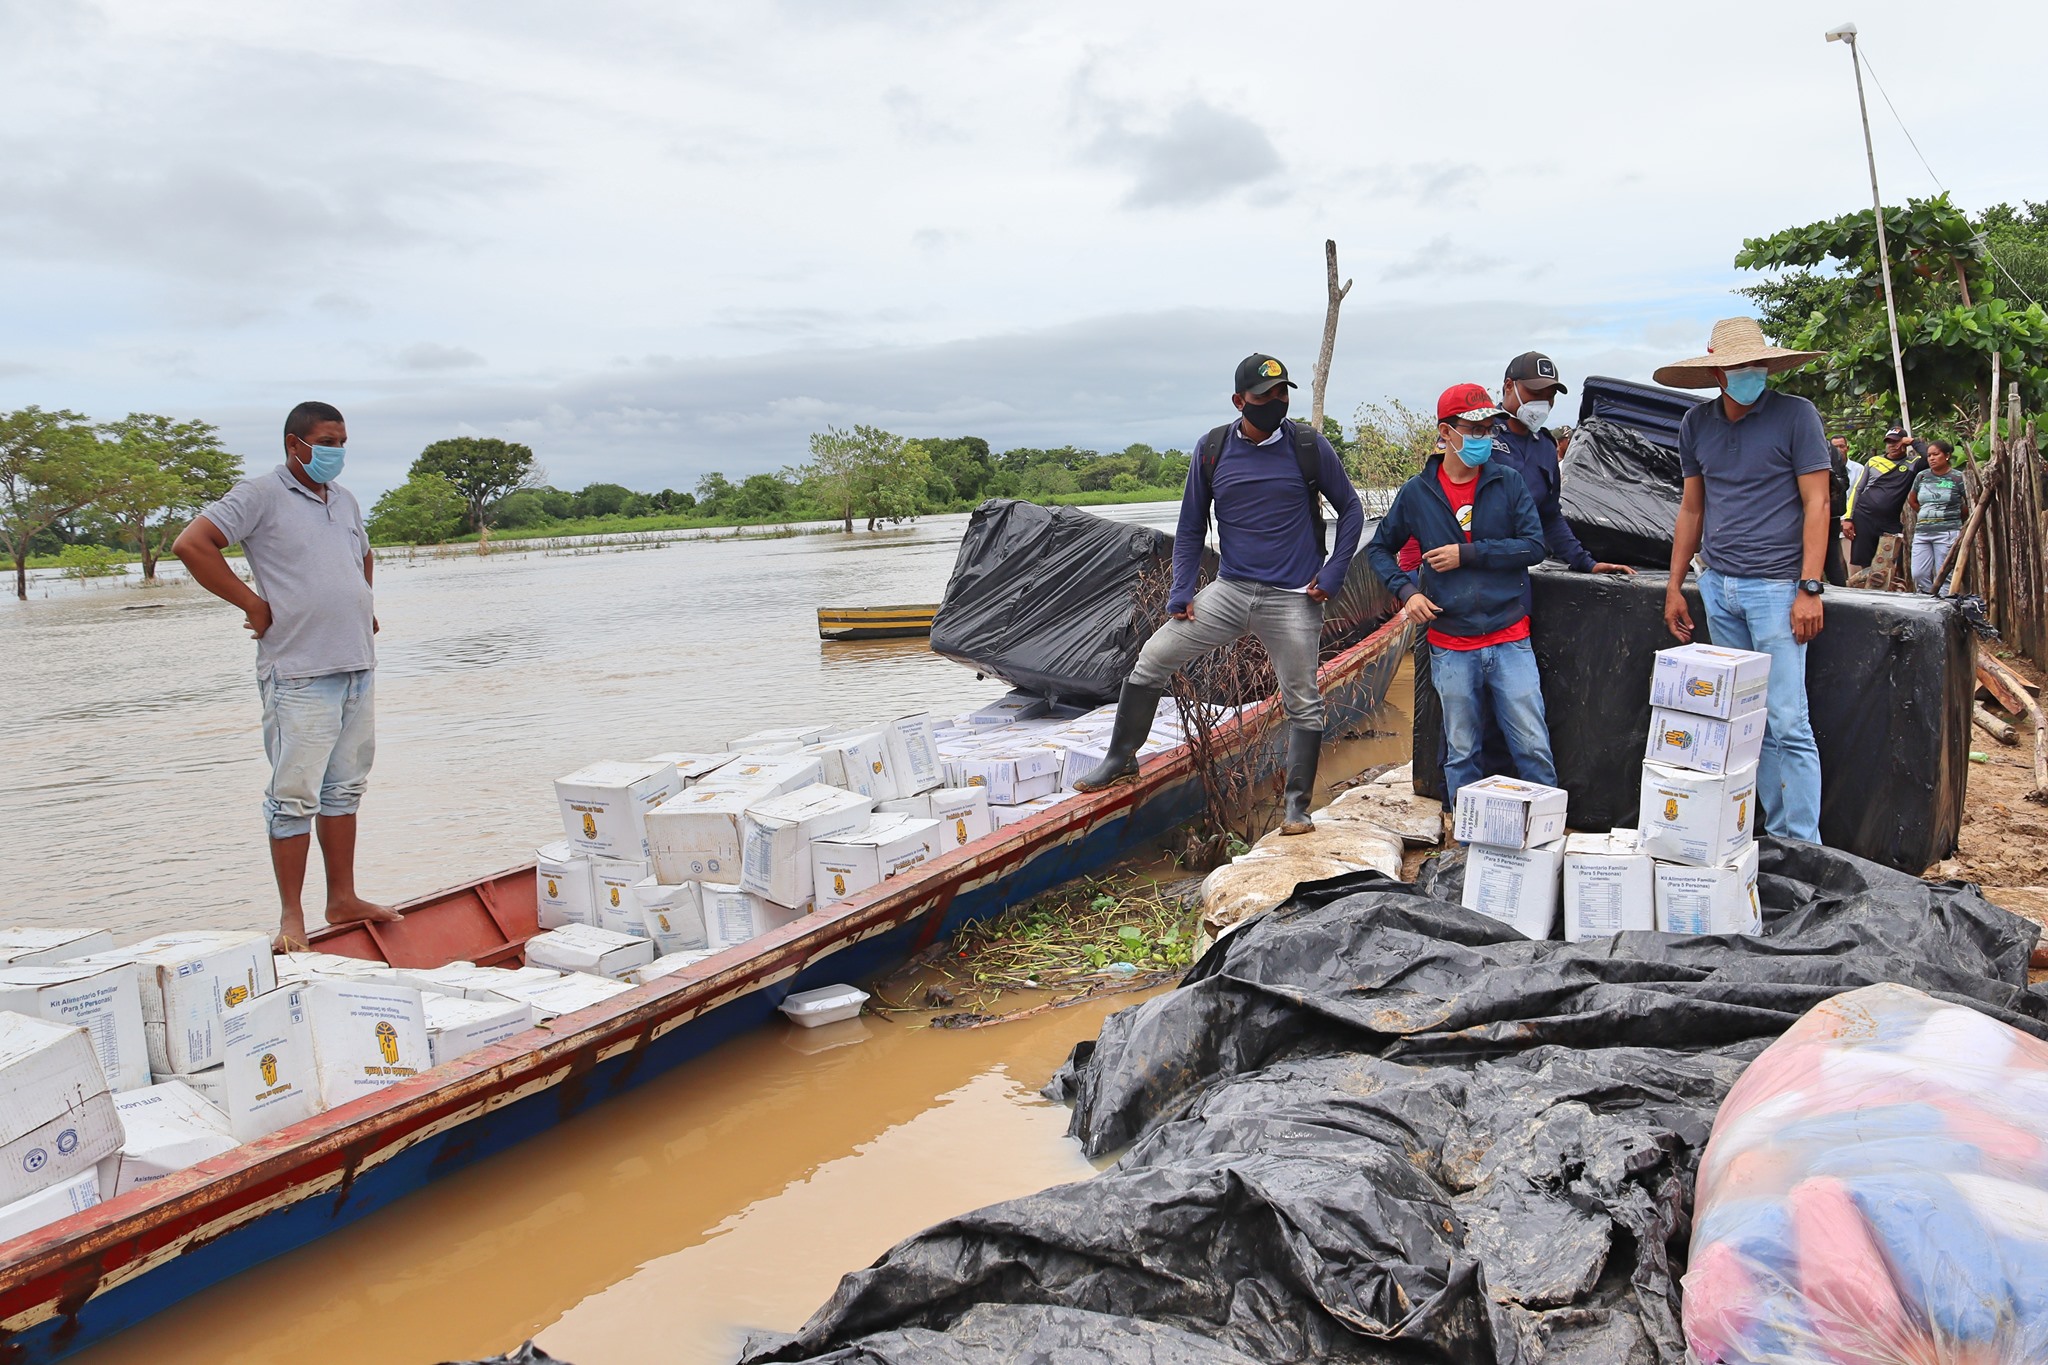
[[1120, 932]]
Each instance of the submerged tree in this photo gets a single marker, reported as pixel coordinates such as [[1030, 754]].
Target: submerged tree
[[51, 465], [866, 472], [167, 471], [482, 468]]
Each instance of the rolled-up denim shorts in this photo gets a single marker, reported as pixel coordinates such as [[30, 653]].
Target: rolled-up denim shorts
[[320, 735]]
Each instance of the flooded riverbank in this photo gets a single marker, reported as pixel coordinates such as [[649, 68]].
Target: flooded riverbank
[[135, 758]]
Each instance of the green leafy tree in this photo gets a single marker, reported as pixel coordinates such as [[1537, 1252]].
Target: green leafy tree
[[1173, 470], [1393, 443], [714, 495], [1829, 296], [521, 510], [602, 499], [761, 497], [2016, 244], [168, 471], [482, 468], [427, 509], [963, 463], [51, 465], [865, 472]]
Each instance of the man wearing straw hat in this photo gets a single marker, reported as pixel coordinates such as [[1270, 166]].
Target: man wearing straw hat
[[1756, 467]]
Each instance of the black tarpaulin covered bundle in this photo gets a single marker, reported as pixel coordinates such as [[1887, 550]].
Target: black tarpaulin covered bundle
[[1889, 682], [1373, 1127], [1059, 601], [1619, 492]]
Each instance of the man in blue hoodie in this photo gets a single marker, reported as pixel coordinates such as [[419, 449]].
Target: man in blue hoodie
[[1264, 474], [1479, 532]]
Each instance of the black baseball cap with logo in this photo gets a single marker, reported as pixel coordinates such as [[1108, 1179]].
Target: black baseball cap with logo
[[1536, 370], [1257, 374]]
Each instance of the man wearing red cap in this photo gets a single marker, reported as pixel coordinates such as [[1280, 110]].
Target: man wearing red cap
[[1477, 527]]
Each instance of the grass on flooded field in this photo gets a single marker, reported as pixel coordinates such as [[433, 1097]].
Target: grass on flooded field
[[1088, 938]]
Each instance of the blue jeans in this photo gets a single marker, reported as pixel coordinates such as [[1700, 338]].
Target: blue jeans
[[1502, 680], [1756, 613], [320, 735]]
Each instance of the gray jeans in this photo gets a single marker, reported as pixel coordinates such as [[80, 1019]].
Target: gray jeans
[[1288, 624]]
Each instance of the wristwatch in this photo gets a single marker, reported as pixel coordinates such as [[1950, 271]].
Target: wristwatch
[[1812, 585]]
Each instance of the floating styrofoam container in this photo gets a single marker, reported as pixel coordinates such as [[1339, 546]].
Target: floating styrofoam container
[[604, 806], [102, 1000], [168, 1127], [23, 946], [825, 1005]]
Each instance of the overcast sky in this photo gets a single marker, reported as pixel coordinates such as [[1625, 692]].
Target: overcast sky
[[657, 239]]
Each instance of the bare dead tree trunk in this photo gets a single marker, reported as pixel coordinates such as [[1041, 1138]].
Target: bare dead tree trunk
[[1322, 376]]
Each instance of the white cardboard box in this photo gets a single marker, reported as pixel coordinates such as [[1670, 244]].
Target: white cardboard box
[[1011, 777], [210, 1085], [186, 979], [1697, 818], [466, 981], [168, 1127], [583, 948], [692, 767], [57, 1118], [777, 773], [562, 886], [48, 1206], [850, 863], [1507, 812], [914, 753], [612, 881], [567, 994], [1608, 885], [456, 1026], [297, 968], [1708, 680], [1709, 900], [268, 1075], [1517, 886], [1684, 740], [23, 946], [1004, 816], [858, 763], [673, 916], [1016, 704], [733, 914], [102, 1000], [699, 835], [666, 965], [798, 735], [962, 813], [780, 832], [366, 1035], [604, 806]]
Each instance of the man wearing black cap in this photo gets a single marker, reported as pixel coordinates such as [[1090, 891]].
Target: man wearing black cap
[[1520, 441], [1264, 474], [1873, 509]]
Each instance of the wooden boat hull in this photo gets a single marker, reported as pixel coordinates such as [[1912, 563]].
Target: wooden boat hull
[[78, 1281], [875, 623]]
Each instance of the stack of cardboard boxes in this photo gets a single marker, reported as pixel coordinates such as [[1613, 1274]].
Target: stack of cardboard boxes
[[1708, 707], [1514, 836]]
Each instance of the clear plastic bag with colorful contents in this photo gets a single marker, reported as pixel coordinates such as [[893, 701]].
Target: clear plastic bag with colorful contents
[[1876, 1191]]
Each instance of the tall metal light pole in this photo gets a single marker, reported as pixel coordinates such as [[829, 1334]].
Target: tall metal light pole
[[1846, 33]]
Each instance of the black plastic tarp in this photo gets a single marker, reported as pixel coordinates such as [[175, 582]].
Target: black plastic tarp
[[1373, 1126], [1059, 601], [1619, 492], [1888, 683]]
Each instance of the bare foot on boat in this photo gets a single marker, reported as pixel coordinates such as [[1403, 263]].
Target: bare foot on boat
[[356, 910], [290, 943]]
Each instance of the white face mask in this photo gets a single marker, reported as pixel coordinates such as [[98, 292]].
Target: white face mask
[[1533, 413]]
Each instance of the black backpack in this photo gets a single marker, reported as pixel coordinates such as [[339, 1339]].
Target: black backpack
[[1209, 450]]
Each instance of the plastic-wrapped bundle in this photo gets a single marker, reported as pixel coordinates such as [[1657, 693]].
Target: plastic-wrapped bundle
[[1619, 491], [1876, 1191]]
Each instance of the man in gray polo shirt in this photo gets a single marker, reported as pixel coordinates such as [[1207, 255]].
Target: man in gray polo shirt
[[1755, 509], [311, 614]]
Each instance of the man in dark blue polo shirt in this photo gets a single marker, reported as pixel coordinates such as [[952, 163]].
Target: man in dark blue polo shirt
[[1522, 444], [1272, 579], [1755, 509]]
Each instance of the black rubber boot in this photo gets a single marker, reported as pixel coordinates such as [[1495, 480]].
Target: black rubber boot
[[1134, 711], [1304, 751]]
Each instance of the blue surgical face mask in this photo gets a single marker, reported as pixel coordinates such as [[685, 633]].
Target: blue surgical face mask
[[1475, 450], [1744, 386], [324, 464]]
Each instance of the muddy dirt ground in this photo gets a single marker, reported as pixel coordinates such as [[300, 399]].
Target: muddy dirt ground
[[2005, 835]]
